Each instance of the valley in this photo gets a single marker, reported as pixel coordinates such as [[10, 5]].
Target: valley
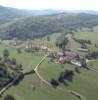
[[84, 83], [49, 56]]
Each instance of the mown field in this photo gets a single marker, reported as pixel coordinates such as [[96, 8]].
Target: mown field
[[85, 82]]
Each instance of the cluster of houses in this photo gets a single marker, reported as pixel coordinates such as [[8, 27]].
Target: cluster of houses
[[69, 57], [83, 50], [65, 56]]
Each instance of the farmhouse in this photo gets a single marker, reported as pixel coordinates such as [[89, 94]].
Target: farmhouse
[[76, 63], [65, 56], [69, 57], [44, 48], [82, 50]]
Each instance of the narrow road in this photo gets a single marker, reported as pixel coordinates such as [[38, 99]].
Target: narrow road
[[6, 87], [36, 71], [46, 82]]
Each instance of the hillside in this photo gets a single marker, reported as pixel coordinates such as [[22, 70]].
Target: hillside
[[38, 26], [84, 82], [8, 14], [85, 11]]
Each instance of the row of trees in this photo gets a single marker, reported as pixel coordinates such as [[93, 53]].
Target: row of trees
[[9, 69], [81, 41], [61, 42], [92, 55]]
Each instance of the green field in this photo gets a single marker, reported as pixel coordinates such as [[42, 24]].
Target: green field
[[85, 83], [87, 35], [23, 91]]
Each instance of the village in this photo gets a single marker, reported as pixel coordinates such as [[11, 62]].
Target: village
[[78, 57], [62, 54], [48, 50]]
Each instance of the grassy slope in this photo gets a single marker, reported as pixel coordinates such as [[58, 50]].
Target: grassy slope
[[24, 91], [72, 44], [93, 36], [85, 82], [86, 35]]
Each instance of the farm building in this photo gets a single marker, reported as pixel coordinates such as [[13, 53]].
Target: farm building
[[83, 50], [76, 63], [69, 57], [66, 56], [44, 48], [66, 53]]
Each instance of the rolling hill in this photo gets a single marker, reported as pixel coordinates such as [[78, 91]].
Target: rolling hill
[[8, 14], [38, 26], [34, 86]]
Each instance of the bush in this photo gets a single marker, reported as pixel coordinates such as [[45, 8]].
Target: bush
[[54, 83], [9, 97], [6, 53], [18, 50]]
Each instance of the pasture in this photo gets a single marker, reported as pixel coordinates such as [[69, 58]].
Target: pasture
[[85, 82]]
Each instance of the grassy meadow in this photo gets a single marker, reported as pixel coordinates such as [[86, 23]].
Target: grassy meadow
[[85, 82]]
